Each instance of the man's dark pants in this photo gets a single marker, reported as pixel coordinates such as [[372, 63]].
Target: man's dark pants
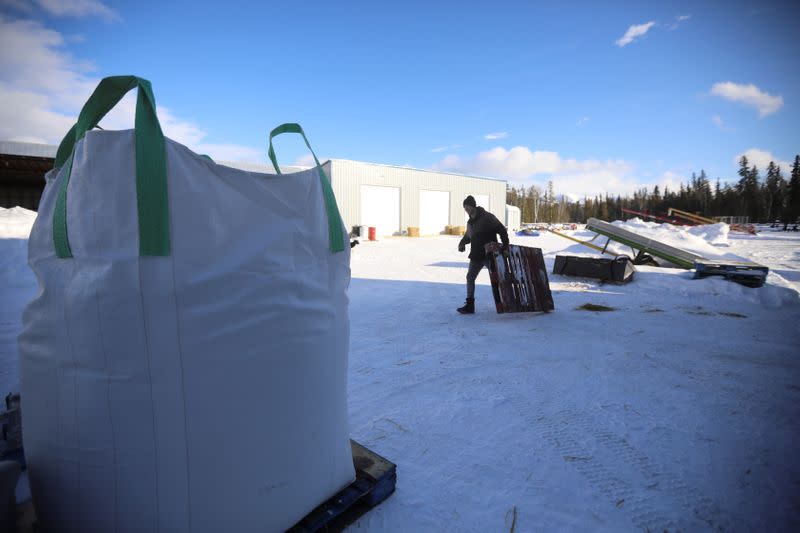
[[475, 266]]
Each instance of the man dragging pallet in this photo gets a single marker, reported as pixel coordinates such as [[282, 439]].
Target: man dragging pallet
[[482, 229]]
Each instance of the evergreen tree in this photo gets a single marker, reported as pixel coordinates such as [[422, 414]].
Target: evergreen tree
[[774, 191], [747, 189], [793, 195], [730, 200], [744, 167], [654, 203], [702, 191], [602, 211], [717, 202], [534, 202], [753, 196], [681, 199], [747, 196], [549, 201], [589, 208], [744, 172]]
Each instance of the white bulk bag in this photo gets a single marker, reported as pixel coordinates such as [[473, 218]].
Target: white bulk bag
[[183, 366]]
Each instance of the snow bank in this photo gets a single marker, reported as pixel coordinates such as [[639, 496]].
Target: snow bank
[[716, 234], [15, 226], [698, 239], [16, 223], [17, 287]]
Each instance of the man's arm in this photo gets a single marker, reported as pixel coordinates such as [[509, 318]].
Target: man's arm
[[503, 232], [466, 239]]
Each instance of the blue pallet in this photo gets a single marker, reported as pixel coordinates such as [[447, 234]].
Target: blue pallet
[[749, 274]]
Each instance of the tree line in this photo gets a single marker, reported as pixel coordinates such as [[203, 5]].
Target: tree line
[[771, 199]]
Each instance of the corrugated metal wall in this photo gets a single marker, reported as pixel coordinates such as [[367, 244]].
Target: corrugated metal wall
[[22, 170], [347, 177]]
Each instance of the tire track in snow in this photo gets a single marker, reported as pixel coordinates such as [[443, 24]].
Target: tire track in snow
[[557, 432], [641, 499]]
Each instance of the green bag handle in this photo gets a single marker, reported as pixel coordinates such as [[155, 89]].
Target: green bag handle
[[334, 217], [151, 164]]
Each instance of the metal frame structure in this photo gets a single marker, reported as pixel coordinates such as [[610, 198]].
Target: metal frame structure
[[744, 272]]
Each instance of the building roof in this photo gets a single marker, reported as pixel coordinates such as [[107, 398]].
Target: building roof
[[28, 149], [462, 175]]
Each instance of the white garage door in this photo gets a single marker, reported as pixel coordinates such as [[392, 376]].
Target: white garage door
[[482, 200], [380, 208], [434, 212]]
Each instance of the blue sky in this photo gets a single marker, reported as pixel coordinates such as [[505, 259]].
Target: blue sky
[[597, 96]]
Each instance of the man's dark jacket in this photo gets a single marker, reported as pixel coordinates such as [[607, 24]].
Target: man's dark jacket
[[481, 229]]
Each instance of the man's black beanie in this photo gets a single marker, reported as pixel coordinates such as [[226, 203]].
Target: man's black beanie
[[469, 200]]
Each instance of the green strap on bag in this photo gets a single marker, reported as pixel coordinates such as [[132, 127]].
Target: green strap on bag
[[151, 164], [151, 168], [334, 218]]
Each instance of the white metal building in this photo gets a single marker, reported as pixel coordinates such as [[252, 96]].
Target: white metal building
[[392, 198], [389, 198], [513, 218]]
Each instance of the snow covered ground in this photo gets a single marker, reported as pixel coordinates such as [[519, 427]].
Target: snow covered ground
[[679, 409]]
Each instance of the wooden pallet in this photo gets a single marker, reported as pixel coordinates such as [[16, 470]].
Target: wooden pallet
[[519, 281], [375, 481], [11, 430]]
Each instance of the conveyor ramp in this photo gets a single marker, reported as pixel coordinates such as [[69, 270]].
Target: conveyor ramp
[[744, 272]]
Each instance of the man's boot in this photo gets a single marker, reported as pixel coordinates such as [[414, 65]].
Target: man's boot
[[469, 307]]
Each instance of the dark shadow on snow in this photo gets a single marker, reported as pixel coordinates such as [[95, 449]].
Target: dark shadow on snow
[[789, 275], [454, 264]]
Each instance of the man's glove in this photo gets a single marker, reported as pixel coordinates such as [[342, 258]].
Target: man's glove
[[461, 247]]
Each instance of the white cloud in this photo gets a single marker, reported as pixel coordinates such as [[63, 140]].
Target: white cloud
[[32, 58], [42, 89], [678, 20], [26, 117], [583, 121], [766, 103], [669, 179], [634, 32], [572, 177], [761, 158], [445, 148], [77, 8], [495, 136], [306, 160], [230, 152]]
